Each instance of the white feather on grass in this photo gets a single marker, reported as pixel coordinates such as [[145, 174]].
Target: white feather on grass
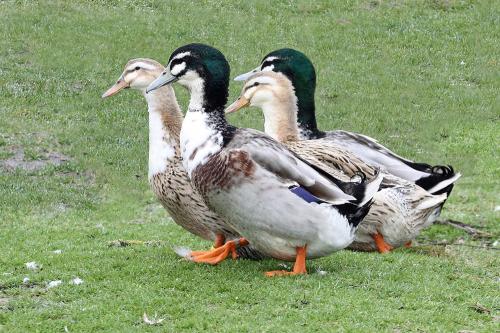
[[53, 284], [184, 252], [152, 321], [76, 281], [33, 266]]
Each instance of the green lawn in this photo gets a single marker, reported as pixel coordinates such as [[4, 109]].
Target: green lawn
[[423, 77]]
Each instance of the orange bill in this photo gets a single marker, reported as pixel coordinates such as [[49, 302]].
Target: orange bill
[[119, 85], [240, 103]]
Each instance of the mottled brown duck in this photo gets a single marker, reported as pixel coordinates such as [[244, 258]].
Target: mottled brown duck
[[167, 176]]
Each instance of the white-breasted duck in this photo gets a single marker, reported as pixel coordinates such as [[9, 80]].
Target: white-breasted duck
[[167, 176], [400, 210], [285, 207], [300, 70]]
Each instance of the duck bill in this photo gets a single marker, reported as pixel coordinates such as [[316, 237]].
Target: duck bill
[[244, 77], [165, 78], [116, 88], [238, 104]]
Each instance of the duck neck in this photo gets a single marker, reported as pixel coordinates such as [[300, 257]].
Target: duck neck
[[304, 85], [306, 116], [205, 129], [165, 121], [209, 100], [209, 97], [280, 120]]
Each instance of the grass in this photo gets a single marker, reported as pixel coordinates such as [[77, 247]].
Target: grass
[[420, 76]]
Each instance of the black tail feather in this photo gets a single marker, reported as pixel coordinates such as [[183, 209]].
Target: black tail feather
[[353, 211], [355, 214], [356, 189], [438, 174]]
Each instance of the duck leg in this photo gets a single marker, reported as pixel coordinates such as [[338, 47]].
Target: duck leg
[[215, 256], [382, 246], [298, 268], [220, 239], [408, 244]]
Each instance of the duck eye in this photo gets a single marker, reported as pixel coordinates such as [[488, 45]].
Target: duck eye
[[137, 68], [255, 84]]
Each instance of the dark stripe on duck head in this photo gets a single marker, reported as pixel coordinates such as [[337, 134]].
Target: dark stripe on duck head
[[256, 84], [213, 69]]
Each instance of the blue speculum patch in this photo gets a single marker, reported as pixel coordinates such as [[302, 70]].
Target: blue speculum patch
[[304, 194]]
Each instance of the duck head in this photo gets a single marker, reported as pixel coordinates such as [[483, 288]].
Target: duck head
[[203, 70], [300, 71], [263, 90], [138, 74], [274, 94]]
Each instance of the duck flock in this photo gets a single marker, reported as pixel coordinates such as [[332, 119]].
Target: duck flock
[[292, 193]]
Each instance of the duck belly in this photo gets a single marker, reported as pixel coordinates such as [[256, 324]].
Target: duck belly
[[396, 217], [276, 221]]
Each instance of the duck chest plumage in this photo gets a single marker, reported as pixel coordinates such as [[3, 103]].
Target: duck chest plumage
[[222, 171], [185, 206]]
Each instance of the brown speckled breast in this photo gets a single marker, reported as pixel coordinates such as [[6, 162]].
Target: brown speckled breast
[[222, 170], [187, 207]]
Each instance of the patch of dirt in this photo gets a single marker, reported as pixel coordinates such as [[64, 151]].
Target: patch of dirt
[[481, 308], [343, 21], [18, 160], [371, 5], [4, 303], [87, 177]]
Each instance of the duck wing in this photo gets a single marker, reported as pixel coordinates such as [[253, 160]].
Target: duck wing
[[435, 179], [276, 158], [336, 157]]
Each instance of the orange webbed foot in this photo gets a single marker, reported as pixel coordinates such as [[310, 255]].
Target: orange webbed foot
[[219, 254], [299, 268], [382, 246], [408, 244]]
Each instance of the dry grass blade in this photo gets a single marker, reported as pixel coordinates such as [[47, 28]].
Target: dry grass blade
[[125, 243], [473, 231], [481, 308]]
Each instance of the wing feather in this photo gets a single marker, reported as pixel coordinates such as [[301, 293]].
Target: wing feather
[[278, 159]]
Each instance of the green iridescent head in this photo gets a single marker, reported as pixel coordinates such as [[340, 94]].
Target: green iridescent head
[[300, 71], [198, 67]]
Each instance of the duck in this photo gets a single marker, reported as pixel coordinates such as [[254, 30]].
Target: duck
[[400, 210], [299, 69], [167, 176], [285, 207]]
